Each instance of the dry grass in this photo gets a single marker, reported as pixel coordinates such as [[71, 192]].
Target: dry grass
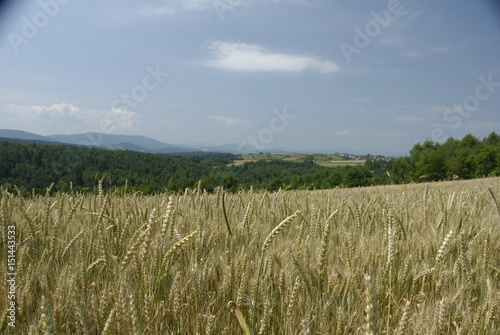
[[411, 259]]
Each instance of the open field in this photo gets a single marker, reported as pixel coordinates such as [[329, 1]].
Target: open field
[[411, 259], [328, 160], [334, 163]]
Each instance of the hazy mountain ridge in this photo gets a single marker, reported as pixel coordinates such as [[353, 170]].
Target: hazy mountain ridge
[[98, 139], [146, 144], [101, 140], [125, 142], [23, 135]]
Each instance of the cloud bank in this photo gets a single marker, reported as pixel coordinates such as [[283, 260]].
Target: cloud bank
[[244, 57], [70, 116], [231, 121], [170, 7]]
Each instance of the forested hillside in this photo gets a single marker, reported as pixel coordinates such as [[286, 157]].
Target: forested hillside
[[37, 166]]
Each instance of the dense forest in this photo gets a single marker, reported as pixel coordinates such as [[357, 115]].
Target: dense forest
[[34, 167], [455, 159]]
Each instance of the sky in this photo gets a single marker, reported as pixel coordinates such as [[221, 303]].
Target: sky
[[367, 76]]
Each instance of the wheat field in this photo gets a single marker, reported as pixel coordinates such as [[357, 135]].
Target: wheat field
[[411, 259]]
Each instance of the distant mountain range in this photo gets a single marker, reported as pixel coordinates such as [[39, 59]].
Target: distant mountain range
[[119, 142], [23, 135], [140, 143]]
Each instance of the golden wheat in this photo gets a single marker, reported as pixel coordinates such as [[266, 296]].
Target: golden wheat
[[124, 263]]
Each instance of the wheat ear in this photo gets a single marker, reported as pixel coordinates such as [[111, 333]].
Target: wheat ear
[[267, 243]]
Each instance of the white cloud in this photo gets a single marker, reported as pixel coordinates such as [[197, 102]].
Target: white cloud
[[413, 54], [202, 4], [296, 2], [156, 11], [252, 57], [231, 121], [439, 49], [171, 6], [428, 51], [408, 17], [342, 132], [63, 115]]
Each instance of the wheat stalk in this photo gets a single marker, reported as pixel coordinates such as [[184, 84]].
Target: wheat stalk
[[49, 326], [442, 248], [403, 322], [267, 243], [371, 307]]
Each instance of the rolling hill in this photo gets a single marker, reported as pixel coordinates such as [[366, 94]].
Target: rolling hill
[[99, 140]]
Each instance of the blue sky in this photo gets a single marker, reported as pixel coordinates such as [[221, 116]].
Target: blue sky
[[367, 76]]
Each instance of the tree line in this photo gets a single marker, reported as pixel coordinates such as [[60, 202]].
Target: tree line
[[467, 158]]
